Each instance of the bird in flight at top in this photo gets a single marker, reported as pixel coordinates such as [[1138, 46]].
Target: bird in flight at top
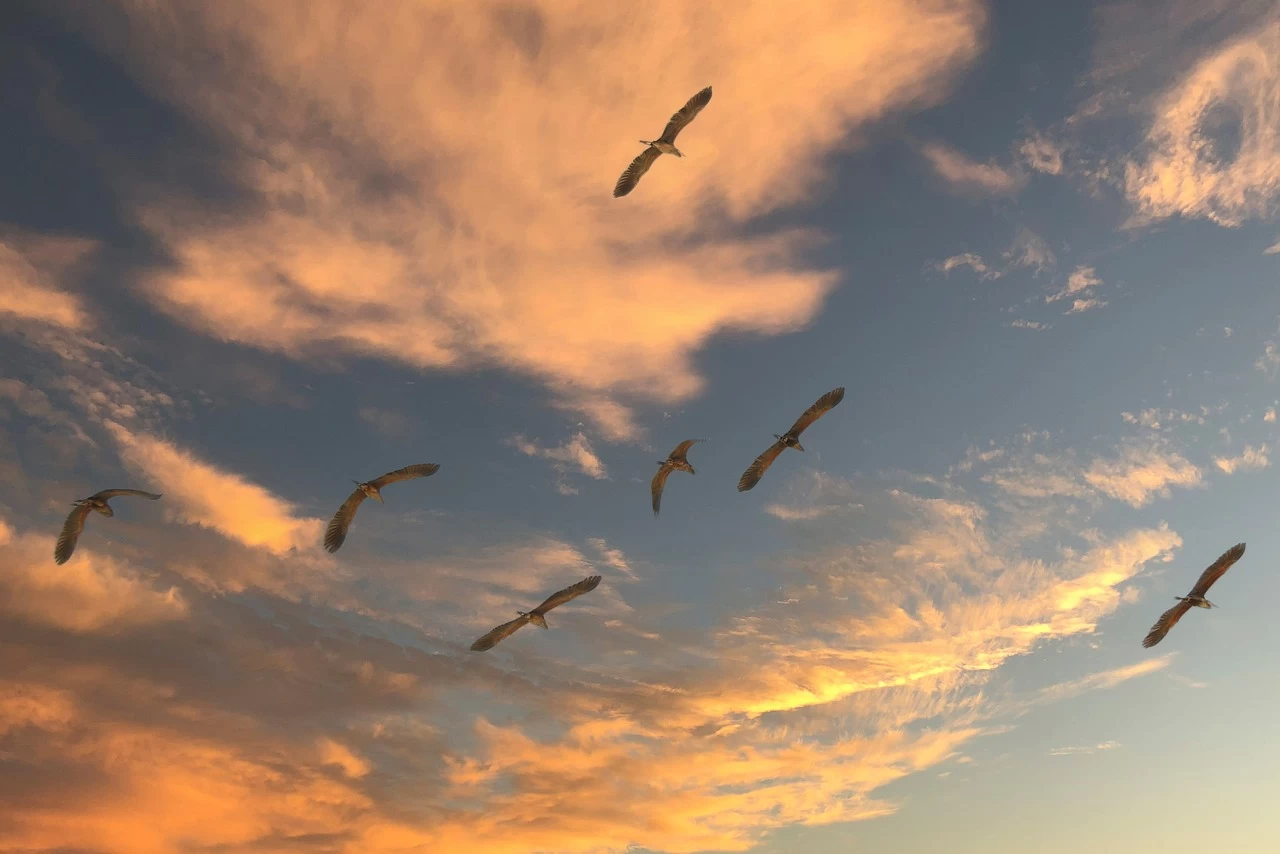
[[538, 615], [336, 533], [75, 521], [676, 461], [790, 439], [665, 144], [1194, 599]]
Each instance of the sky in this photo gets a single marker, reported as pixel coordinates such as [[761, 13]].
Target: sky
[[250, 252]]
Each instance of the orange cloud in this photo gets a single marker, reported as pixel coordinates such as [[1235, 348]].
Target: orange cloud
[[200, 494], [31, 267], [90, 593], [431, 184], [967, 175]]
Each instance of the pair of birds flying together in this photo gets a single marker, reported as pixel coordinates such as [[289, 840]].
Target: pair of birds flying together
[[679, 461]]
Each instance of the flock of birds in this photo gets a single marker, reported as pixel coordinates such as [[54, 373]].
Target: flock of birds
[[336, 532]]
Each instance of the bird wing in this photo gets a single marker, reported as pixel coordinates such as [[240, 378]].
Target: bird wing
[[1167, 621], [655, 488], [752, 475], [406, 473], [683, 448], [1216, 569], [498, 633], [336, 533], [112, 493], [820, 407], [686, 114], [70, 533], [627, 182], [573, 591]]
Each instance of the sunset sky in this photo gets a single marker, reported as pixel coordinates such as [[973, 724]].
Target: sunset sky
[[251, 251]]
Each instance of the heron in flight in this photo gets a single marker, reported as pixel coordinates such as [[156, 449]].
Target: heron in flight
[[336, 533], [1194, 599], [790, 439], [665, 144], [676, 461], [75, 521], [538, 616]]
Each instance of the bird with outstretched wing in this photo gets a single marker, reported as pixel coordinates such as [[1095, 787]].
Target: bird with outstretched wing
[[96, 503], [1194, 599], [538, 615], [665, 144], [675, 461], [336, 533], [790, 439]]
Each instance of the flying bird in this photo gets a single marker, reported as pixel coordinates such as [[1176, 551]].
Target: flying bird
[[676, 461], [1195, 598], [75, 521], [791, 439], [336, 533], [665, 144], [538, 616]]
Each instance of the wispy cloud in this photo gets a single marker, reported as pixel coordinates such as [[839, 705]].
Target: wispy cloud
[[1082, 305], [1042, 154], [1250, 459], [201, 494], [966, 175], [967, 259], [1075, 751], [31, 267], [1212, 149], [577, 453], [1030, 250], [1081, 279], [434, 276]]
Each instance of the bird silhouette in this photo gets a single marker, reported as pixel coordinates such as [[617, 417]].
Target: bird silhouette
[[665, 144], [97, 503], [675, 461], [1194, 599], [538, 615], [336, 533], [790, 439]]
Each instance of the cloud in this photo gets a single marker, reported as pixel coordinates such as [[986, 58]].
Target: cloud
[[1213, 148], [610, 556], [31, 267], [1270, 415], [1029, 324], [1075, 751], [90, 593], [1141, 473], [1104, 680], [1136, 474], [968, 259], [1042, 154], [200, 494], [1269, 361], [965, 175], [1082, 305], [1274, 249], [369, 164], [387, 422], [1030, 250], [814, 496], [1250, 459], [577, 452], [1081, 279]]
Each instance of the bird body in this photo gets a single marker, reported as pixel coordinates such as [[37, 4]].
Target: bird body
[[676, 461], [336, 533], [790, 439], [1194, 599], [538, 616], [665, 144], [96, 503]]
